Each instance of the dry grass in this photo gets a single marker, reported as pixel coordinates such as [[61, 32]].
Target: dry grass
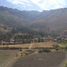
[[33, 45]]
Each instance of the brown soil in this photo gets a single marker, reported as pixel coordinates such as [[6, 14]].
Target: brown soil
[[52, 59]]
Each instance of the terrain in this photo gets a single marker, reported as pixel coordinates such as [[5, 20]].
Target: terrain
[[46, 21], [18, 28], [52, 59], [7, 57]]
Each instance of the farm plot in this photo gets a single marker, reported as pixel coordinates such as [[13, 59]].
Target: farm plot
[[52, 59], [6, 56]]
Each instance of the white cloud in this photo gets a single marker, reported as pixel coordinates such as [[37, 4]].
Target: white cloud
[[43, 4], [49, 4], [18, 1]]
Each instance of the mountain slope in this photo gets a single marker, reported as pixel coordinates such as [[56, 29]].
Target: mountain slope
[[46, 21], [55, 20]]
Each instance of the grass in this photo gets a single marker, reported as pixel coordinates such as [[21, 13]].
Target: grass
[[63, 44], [3, 56], [65, 65]]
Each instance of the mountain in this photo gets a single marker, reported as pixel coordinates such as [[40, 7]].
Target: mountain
[[46, 21], [54, 20], [15, 19]]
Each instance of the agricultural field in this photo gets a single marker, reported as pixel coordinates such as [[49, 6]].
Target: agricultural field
[[42, 59], [6, 57], [31, 45], [51, 59]]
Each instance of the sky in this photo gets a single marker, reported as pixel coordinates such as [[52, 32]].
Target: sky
[[38, 5]]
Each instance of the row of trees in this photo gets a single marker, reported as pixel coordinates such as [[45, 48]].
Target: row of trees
[[20, 37]]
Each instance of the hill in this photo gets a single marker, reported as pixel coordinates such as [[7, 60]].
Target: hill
[[46, 21], [55, 20]]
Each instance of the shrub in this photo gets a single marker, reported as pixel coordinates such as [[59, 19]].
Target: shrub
[[44, 50], [65, 65]]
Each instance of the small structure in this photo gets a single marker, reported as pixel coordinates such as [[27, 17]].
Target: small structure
[[12, 41]]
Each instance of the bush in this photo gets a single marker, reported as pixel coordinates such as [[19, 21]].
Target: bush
[[44, 50], [65, 65]]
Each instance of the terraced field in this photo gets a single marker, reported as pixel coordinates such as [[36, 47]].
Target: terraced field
[[52, 59]]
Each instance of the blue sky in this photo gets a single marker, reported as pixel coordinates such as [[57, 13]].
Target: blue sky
[[38, 5]]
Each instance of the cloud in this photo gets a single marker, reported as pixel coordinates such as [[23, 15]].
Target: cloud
[[17, 2], [49, 4], [41, 4]]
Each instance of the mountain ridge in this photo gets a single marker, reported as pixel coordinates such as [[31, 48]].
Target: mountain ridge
[[45, 21]]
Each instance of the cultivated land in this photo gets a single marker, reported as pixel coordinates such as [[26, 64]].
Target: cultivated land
[[52, 59], [31, 45], [7, 57], [24, 58]]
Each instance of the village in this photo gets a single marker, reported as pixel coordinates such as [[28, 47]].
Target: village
[[23, 40]]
